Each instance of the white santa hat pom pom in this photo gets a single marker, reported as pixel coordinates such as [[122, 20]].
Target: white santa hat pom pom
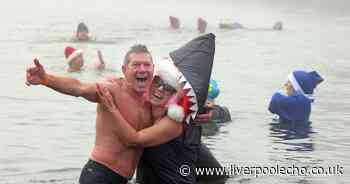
[[176, 113]]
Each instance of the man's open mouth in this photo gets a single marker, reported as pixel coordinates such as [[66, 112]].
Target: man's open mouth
[[141, 79]]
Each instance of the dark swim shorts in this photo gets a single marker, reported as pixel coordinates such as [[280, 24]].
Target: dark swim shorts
[[96, 173]]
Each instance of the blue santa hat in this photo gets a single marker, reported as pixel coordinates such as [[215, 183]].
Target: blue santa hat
[[305, 82], [213, 90]]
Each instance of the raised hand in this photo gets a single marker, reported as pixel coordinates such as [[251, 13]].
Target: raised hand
[[36, 74], [101, 63], [106, 97], [100, 58]]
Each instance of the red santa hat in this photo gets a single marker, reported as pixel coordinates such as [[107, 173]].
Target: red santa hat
[[168, 72], [71, 53], [179, 105]]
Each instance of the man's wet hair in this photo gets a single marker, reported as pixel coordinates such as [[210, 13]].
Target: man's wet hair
[[138, 48], [82, 27]]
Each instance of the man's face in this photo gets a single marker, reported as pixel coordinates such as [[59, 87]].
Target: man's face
[[160, 92], [289, 88], [83, 36], [77, 63], [139, 71]]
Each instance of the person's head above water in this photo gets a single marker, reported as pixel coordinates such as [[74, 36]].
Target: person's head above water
[[74, 58], [278, 26], [138, 68], [201, 25], [82, 33], [213, 90], [174, 22], [302, 82]]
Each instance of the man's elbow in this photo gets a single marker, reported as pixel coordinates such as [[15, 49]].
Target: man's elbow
[[86, 92], [78, 90]]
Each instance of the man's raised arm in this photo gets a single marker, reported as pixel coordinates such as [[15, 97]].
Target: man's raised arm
[[37, 75]]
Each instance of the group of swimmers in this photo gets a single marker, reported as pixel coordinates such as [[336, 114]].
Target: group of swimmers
[[75, 60], [202, 25], [153, 121]]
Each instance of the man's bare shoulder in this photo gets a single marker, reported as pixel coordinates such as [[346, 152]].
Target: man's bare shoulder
[[114, 79], [113, 82]]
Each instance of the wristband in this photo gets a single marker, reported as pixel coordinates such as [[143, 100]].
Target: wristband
[[45, 81]]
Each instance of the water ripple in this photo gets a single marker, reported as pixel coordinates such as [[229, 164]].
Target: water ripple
[[60, 170]]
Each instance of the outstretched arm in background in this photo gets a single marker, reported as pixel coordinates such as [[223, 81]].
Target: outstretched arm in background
[[101, 63]]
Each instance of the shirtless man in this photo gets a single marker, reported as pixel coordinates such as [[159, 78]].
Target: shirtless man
[[110, 160]]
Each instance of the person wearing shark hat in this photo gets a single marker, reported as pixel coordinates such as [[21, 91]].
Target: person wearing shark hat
[[296, 106], [173, 142]]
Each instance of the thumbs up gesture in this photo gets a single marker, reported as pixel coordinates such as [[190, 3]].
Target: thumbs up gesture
[[35, 74]]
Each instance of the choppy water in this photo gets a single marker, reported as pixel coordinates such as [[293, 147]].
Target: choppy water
[[46, 137]]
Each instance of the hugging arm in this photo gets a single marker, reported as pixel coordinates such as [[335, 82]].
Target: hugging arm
[[161, 132]]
